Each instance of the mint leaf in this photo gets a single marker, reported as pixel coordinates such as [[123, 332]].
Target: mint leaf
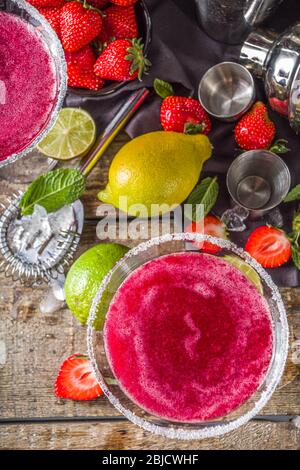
[[293, 195], [205, 193], [162, 88], [53, 190], [296, 255]]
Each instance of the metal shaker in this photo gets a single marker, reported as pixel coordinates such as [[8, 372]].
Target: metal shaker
[[230, 21], [276, 59]]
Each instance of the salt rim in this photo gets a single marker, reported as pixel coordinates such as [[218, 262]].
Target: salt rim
[[208, 431], [61, 70]]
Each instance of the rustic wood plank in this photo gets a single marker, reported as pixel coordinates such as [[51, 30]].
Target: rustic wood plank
[[124, 436], [33, 345], [36, 344]]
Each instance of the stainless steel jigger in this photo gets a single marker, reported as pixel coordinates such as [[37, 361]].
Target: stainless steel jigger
[[258, 181], [44, 271], [227, 91]]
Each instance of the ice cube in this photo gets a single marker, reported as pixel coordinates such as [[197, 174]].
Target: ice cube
[[58, 287], [28, 235], [296, 421], [274, 218], [242, 212], [62, 220], [50, 304], [234, 219], [37, 238]]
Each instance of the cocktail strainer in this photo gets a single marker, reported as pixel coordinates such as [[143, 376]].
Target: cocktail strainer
[[43, 246]]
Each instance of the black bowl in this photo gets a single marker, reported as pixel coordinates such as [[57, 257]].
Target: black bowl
[[145, 29]]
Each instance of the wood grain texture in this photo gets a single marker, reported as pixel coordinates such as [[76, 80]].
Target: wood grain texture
[[125, 436], [33, 345], [36, 344]]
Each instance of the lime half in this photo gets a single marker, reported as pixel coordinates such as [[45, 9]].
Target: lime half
[[72, 135], [251, 274]]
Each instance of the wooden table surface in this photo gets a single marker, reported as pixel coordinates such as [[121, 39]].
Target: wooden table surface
[[32, 346]]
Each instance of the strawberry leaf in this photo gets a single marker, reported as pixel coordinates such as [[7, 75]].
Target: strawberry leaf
[[205, 193], [53, 190], [192, 129], [280, 147], [162, 88], [293, 195]]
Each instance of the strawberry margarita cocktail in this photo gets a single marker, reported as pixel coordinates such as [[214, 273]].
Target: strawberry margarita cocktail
[[188, 337], [28, 86]]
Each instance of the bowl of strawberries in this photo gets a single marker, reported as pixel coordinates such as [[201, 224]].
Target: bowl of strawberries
[[105, 41]]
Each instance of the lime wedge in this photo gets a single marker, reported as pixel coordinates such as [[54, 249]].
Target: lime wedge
[[251, 274], [72, 135]]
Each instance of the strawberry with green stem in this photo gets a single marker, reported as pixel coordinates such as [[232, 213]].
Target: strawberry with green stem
[[181, 114], [122, 60], [80, 23], [256, 131]]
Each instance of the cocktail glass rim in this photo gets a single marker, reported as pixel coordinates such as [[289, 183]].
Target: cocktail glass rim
[[62, 88], [205, 431]]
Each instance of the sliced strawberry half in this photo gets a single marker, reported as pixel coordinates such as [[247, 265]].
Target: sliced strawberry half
[[211, 225], [269, 246], [76, 380]]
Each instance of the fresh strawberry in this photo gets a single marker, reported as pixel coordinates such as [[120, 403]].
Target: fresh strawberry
[[211, 225], [52, 15], [181, 114], [255, 130], [123, 3], [119, 23], [76, 380], [122, 60], [81, 69], [47, 3], [99, 4], [269, 246], [80, 24]]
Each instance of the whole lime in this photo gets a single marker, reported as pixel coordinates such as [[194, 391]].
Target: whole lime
[[85, 277]]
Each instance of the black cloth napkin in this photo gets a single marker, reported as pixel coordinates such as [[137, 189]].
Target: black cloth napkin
[[181, 53]]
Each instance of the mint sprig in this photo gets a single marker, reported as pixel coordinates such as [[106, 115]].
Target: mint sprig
[[205, 193], [53, 190]]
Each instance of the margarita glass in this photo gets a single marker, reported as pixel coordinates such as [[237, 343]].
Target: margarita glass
[[33, 79], [100, 352]]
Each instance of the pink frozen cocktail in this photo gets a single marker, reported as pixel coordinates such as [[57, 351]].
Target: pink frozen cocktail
[[188, 337], [28, 86]]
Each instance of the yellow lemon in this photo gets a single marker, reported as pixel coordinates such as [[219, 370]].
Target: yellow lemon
[[155, 171]]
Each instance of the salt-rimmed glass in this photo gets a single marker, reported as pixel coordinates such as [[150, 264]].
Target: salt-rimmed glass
[[43, 29], [149, 250]]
